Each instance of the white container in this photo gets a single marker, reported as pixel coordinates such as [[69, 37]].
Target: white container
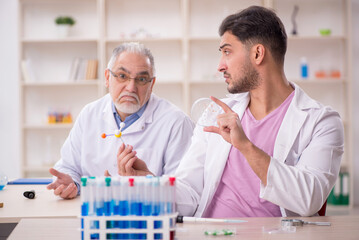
[[63, 30]]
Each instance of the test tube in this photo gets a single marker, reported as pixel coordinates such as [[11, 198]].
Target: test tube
[[84, 203], [172, 203], [124, 206], [92, 206], [99, 198], [116, 191], [157, 209], [85, 198], [107, 197], [133, 205], [148, 197], [140, 184], [108, 206], [172, 195], [92, 193]]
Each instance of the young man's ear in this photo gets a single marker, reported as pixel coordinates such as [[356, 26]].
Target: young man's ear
[[259, 52]]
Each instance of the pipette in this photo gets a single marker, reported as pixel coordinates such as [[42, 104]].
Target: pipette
[[181, 219]]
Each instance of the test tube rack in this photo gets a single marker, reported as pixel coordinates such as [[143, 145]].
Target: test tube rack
[[167, 231]]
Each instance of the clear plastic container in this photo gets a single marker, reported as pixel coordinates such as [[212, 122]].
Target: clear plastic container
[[3, 180]]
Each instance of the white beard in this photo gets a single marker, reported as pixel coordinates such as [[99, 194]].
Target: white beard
[[128, 107]]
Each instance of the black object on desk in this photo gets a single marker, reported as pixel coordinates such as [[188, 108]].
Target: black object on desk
[[29, 194]]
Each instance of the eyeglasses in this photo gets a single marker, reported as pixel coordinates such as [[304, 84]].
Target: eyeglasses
[[140, 80]]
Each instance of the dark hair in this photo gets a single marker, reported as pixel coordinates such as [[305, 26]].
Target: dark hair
[[258, 25]]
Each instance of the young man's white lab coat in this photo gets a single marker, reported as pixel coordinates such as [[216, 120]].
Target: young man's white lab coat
[[302, 171], [160, 137]]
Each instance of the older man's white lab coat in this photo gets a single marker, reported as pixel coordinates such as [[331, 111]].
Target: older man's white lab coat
[[160, 137], [304, 167]]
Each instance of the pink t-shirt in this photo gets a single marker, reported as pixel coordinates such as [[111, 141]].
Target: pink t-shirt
[[237, 194]]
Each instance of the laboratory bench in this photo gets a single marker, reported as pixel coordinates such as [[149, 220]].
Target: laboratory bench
[[342, 227], [48, 216]]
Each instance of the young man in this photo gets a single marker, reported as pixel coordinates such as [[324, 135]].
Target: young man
[[158, 131], [275, 151]]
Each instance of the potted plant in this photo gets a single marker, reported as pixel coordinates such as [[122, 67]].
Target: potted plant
[[63, 25]]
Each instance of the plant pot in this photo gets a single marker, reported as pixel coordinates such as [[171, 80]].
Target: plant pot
[[63, 30]]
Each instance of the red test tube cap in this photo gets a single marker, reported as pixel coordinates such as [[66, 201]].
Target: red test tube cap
[[172, 181], [131, 181]]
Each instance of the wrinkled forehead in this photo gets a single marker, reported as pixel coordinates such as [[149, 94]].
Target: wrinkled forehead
[[133, 63]]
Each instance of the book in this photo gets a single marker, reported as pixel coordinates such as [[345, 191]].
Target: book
[[74, 69], [31, 181], [27, 71], [91, 71], [83, 69]]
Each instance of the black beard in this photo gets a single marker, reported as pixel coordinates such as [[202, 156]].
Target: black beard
[[250, 81]]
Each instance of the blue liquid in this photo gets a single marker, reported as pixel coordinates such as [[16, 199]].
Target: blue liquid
[[124, 209], [116, 210], [169, 207], [156, 210], [99, 211], [2, 187], [85, 209], [147, 209], [107, 208], [157, 224], [95, 236], [134, 224]]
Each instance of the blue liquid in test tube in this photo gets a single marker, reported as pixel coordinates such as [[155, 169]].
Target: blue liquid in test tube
[[84, 203], [116, 191], [108, 206], [157, 211], [124, 207], [134, 206], [92, 186], [140, 205]]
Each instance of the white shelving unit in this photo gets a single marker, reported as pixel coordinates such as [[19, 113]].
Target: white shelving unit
[[50, 58], [183, 37], [323, 53]]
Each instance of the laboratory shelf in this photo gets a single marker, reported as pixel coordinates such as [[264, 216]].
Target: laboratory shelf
[[92, 82], [59, 40], [54, 126], [183, 37]]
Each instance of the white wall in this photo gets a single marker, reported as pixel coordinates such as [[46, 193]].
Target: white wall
[[9, 89], [355, 41], [9, 100]]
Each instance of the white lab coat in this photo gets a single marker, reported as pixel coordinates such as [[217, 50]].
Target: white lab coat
[[160, 137], [304, 167]]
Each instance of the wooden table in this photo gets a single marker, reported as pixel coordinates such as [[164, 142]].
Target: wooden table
[[45, 204], [342, 228]]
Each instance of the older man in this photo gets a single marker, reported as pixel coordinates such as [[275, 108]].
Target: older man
[[156, 132]]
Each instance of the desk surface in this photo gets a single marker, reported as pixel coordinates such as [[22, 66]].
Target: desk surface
[[343, 227], [45, 204]]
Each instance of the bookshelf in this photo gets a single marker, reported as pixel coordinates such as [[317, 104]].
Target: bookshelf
[[183, 37]]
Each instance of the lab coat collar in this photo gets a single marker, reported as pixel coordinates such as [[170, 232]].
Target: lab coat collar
[[139, 124], [108, 116], [292, 122]]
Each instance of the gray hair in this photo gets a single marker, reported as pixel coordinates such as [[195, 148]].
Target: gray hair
[[132, 47]]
